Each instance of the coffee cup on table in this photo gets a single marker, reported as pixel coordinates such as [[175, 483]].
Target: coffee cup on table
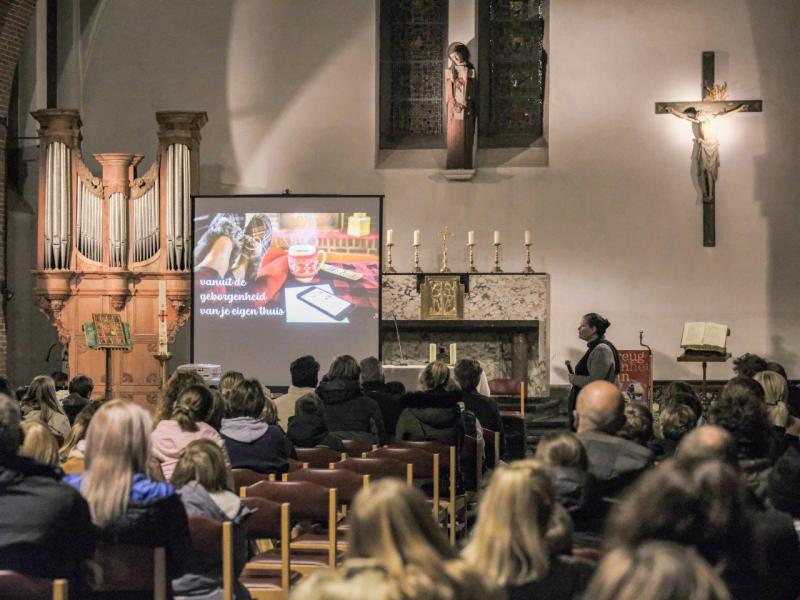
[[305, 261]]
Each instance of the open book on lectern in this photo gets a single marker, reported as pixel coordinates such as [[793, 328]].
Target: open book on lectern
[[705, 337]]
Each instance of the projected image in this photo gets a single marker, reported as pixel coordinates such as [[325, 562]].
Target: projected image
[[320, 267]]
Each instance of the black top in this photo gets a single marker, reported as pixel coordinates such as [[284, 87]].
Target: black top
[[388, 400], [349, 413]]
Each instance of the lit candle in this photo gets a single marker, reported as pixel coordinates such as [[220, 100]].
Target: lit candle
[[527, 237], [453, 357], [496, 237], [471, 238], [162, 317], [416, 237], [390, 236], [432, 353]]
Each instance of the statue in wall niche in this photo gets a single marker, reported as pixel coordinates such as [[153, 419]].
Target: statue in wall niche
[[460, 91]]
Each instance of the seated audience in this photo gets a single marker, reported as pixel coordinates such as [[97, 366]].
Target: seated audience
[[614, 461], [656, 571], [251, 442], [708, 442], [200, 478], [433, 413], [747, 365], [740, 409], [573, 486], [179, 381], [776, 392], [509, 545], [45, 407], [468, 375], [80, 392], [45, 527], [793, 400], [680, 392], [783, 486], [126, 506], [392, 524], [638, 425], [676, 421], [373, 383], [187, 424], [355, 580], [307, 428], [219, 410], [72, 452], [60, 380], [305, 377], [39, 444], [228, 381], [350, 414]]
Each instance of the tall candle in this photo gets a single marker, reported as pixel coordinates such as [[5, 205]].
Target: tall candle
[[416, 237], [390, 236], [527, 237], [432, 352], [453, 356], [471, 238], [162, 317], [496, 237]]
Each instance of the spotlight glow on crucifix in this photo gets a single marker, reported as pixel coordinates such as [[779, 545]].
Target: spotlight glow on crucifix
[[704, 116]]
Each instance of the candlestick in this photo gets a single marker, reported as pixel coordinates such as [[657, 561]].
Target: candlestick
[[528, 268], [453, 355], [389, 237], [496, 237], [472, 268], [389, 268], [163, 339], [527, 237], [471, 238], [162, 358], [497, 268], [416, 237], [416, 259], [432, 352], [445, 234]]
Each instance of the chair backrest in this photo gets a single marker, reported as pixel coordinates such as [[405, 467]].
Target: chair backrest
[[357, 447], [376, 468], [346, 483], [212, 544], [16, 586], [295, 465], [244, 477], [271, 520], [472, 461], [422, 460], [509, 387], [127, 568], [443, 450], [492, 439], [318, 458]]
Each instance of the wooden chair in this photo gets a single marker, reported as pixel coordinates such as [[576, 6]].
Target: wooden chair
[[377, 468], [308, 501], [16, 586], [212, 545], [492, 439], [318, 458], [509, 387], [425, 465], [244, 477], [271, 521], [357, 447], [296, 465], [127, 568], [513, 421]]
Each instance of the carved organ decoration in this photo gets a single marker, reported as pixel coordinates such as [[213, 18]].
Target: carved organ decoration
[[105, 241]]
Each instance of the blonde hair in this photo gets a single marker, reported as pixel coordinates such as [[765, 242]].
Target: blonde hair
[[392, 524], [655, 571], [42, 393], [355, 579], [434, 375], [776, 392], [117, 447], [509, 543], [79, 428], [201, 461], [38, 443]]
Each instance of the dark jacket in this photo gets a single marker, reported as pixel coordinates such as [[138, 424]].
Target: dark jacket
[[434, 415], [662, 448], [45, 526], [73, 404], [388, 401], [350, 414], [253, 444], [567, 578], [310, 431], [579, 493], [488, 415], [614, 461], [203, 581], [155, 518]]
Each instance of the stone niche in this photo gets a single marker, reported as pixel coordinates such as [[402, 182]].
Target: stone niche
[[505, 325]]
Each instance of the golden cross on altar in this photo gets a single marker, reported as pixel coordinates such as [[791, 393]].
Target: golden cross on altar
[[445, 233]]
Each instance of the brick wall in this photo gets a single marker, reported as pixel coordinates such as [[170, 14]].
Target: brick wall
[[15, 17]]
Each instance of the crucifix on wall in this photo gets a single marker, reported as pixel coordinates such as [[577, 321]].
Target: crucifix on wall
[[704, 115]]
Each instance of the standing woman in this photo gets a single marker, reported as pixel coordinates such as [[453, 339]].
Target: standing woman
[[600, 362]]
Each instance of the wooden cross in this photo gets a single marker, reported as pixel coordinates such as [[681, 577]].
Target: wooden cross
[[703, 114]]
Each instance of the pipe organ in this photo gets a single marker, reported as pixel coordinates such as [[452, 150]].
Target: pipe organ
[[130, 232]]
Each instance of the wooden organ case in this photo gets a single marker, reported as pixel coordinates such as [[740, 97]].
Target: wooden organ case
[[104, 244]]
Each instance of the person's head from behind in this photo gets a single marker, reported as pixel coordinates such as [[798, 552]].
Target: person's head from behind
[[42, 394], [562, 449], [748, 365], [81, 385], [509, 543], [776, 392], [117, 448], [60, 380], [219, 408], [228, 381], [371, 371], [600, 407], [705, 443], [270, 413], [38, 443], [201, 461], [777, 368], [247, 399], [79, 427], [10, 429], [344, 367], [638, 425], [676, 421], [740, 409], [655, 571], [308, 405], [680, 392], [179, 381], [305, 372], [355, 579], [468, 374], [192, 407], [435, 376], [5, 387]]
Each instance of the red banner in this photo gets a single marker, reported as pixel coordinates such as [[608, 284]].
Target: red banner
[[636, 375]]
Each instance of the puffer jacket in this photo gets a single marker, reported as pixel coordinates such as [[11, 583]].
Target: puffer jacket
[[433, 415], [350, 414]]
